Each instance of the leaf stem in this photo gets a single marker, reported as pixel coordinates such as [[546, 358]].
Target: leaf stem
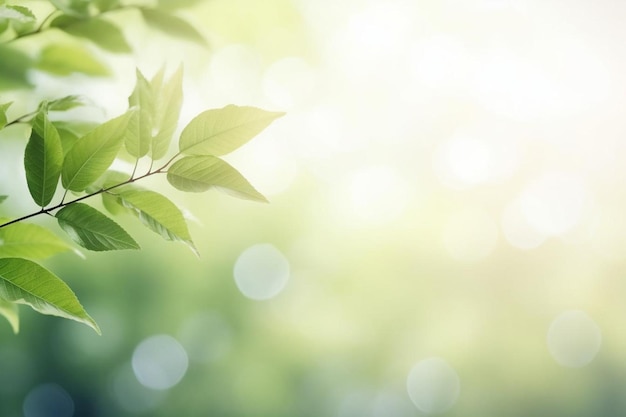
[[76, 200]]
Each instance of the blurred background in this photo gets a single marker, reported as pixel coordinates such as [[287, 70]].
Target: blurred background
[[446, 233]]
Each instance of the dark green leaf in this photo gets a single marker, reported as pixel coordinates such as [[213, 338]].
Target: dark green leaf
[[14, 66], [9, 311], [43, 159], [92, 229], [3, 114], [25, 282], [101, 32], [221, 131], [64, 60], [200, 173], [159, 214], [93, 154], [26, 240], [139, 132], [169, 100], [172, 25]]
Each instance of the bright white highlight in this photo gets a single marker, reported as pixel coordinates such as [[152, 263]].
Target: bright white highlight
[[377, 195], [48, 400], [470, 235], [574, 339], [261, 272], [433, 385], [159, 362], [554, 203]]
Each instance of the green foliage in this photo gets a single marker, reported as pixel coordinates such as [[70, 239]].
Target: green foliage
[[77, 156]]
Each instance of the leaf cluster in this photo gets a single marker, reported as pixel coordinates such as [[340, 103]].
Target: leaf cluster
[[64, 168]]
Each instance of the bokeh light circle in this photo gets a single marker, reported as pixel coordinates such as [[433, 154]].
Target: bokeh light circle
[[574, 339], [433, 385], [48, 400], [261, 272], [159, 362]]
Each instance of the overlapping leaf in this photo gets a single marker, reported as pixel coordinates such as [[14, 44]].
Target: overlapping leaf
[[93, 154], [78, 8], [43, 159], [139, 132], [92, 229], [25, 282], [168, 102], [200, 173], [9, 311], [101, 32], [159, 214], [221, 131], [26, 240], [21, 18], [172, 25]]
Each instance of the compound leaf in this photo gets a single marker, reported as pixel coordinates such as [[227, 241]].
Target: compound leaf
[[43, 159], [200, 173], [93, 154], [25, 282], [221, 131], [92, 229]]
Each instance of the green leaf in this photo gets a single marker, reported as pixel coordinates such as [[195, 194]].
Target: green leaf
[[64, 60], [26, 240], [169, 100], [200, 173], [22, 18], [221, 131], [158, 214], [71, 132], [77, 8], [2, 198], [172, 25], [93, 154], [139, 132], [104, 5], [176, 4], [25, 282], [3, 114], [14, 66], [92, 229], [101, 32], [65, 103], [43, 159], [9, 311]]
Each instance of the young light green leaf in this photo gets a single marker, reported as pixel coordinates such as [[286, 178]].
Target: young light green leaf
[[169, 100], [22, 18], [43, 159], [3, 114], [158, 214], [221, 131], [78, 8], [93, 154], [172, 25], [71, 132], [101, 32], [60, 59], [25, 282], [200, 173], [65, 103], [139, 132], [92, 229], [26, 240], [9, 311]]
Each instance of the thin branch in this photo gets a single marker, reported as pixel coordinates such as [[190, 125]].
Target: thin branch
[[102, 190]]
